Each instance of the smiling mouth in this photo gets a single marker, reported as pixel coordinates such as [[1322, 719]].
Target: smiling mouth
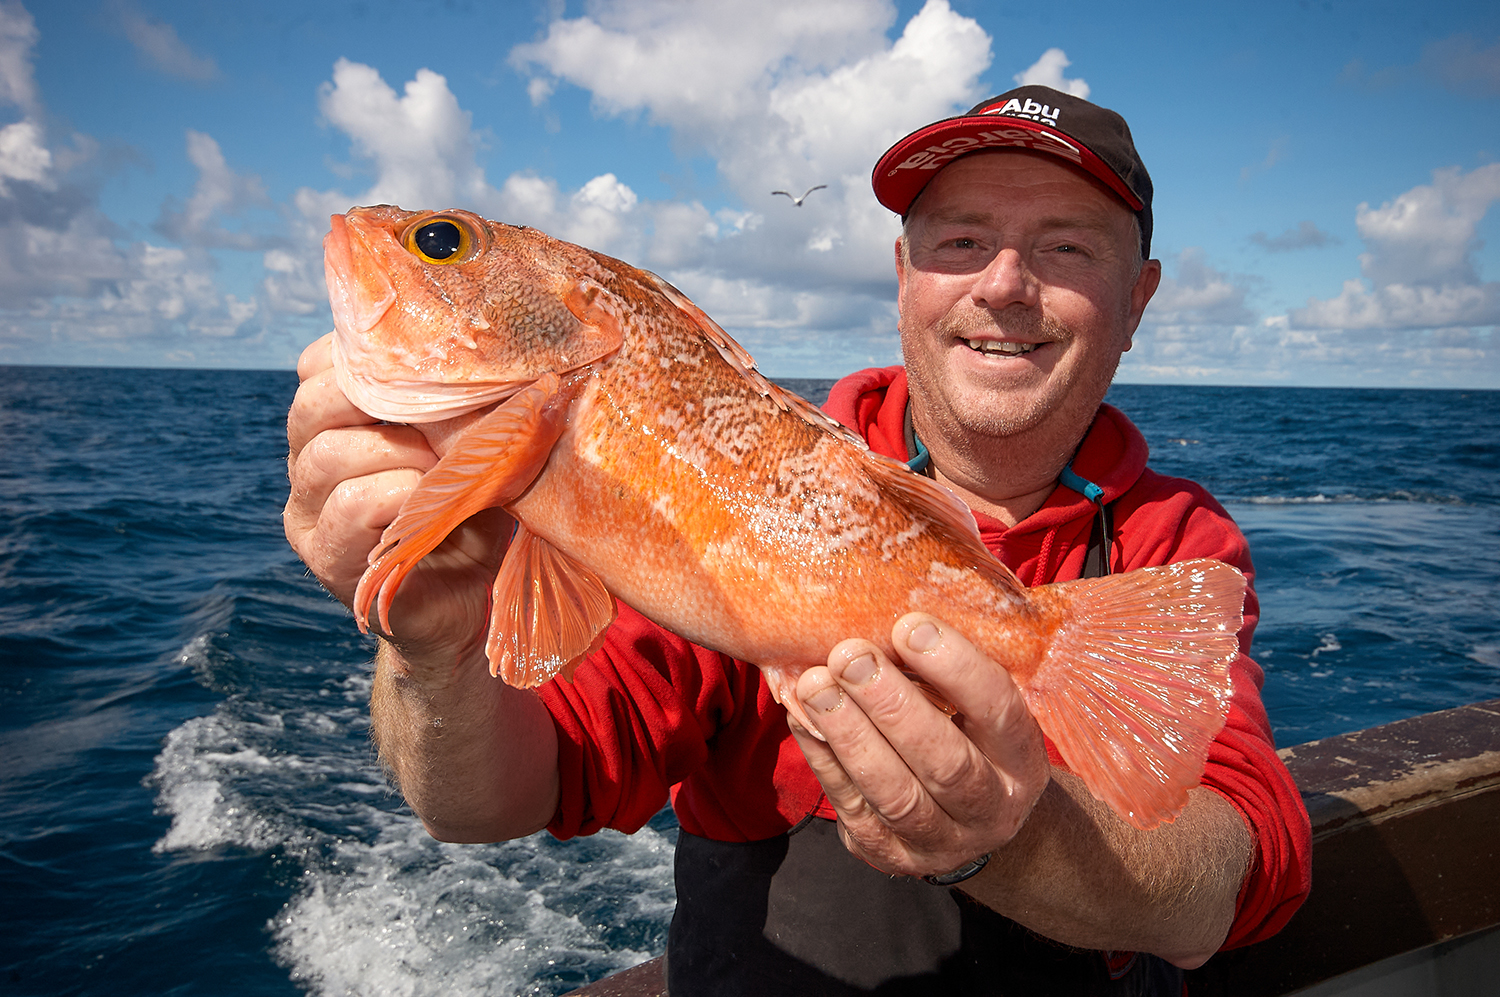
[[994, 348]]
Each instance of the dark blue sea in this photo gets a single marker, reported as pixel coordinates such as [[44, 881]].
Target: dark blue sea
[[190, 801]]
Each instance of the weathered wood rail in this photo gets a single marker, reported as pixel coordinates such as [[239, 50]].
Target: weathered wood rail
[[1406, 858]]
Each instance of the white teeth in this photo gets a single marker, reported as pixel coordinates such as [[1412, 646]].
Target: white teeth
[[1005, 349]]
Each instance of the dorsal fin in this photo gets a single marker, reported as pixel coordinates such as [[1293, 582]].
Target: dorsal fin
[[740, 359], [933, 501]]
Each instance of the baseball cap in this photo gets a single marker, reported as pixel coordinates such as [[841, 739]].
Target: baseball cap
[[1090, 137]]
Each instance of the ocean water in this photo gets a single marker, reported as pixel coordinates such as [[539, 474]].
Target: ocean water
[[192, 804]]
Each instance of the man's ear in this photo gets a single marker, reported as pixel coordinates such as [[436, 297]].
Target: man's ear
[[1140, 296]]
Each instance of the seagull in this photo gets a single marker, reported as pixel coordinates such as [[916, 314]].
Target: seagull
[[798, 200]]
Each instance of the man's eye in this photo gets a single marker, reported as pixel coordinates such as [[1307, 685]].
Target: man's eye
[[964, 244]]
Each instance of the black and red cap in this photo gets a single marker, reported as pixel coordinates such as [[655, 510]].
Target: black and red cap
[[1039, 118]]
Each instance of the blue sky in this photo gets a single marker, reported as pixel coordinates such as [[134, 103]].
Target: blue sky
[[1325, 172]]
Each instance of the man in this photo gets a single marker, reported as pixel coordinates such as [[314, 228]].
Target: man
[[1023, 270]]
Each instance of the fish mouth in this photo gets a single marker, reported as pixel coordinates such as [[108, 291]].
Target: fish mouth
[[359, 295]]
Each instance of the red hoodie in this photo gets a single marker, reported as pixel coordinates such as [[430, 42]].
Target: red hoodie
[[650, 715]]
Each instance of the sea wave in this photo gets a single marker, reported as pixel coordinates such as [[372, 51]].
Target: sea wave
[[405, 915], [378, 905], [1341, 498]]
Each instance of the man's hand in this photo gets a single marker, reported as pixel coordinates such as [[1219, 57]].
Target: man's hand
[[349, 476], [916, 792], [476, 759], [919, 794]]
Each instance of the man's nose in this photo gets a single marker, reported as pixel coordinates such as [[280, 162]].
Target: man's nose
[[1006, 281]]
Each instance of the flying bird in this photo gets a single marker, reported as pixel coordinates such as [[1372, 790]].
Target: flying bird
[[798, 200]]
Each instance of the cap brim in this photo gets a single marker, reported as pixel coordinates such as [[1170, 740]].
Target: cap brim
[[909, 165]]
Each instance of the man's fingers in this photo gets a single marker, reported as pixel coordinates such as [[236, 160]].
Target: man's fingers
[[336, 456], [319, 406], [335, 538], [853, 742], [949, 777], [916, 791], [993, 712], [317, 356], [866, 833]]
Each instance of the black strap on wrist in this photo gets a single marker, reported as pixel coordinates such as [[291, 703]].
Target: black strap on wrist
[[960, 874]]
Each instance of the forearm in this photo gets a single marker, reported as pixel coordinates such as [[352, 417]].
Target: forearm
[[476, 759], [1078, 874]]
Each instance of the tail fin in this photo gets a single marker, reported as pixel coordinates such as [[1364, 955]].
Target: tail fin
[[1136, 684]]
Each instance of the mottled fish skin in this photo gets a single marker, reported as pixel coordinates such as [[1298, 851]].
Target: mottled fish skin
[[658, 465]]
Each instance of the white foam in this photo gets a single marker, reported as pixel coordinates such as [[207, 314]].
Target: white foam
[[1329, 644], [1345, 498], [204, 813], [1486, 654], [408, 916], [381, 907]]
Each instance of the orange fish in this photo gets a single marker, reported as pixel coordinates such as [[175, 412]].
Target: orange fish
[[646, 460]]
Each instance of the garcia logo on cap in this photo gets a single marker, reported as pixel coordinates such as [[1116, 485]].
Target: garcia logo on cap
[[937, 156]]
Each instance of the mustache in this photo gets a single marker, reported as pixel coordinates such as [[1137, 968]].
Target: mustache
[[1026, 325]]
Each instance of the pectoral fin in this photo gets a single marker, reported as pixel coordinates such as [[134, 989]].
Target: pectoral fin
[[546, 612], [491, 464]]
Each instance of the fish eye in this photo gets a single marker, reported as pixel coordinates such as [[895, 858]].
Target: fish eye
[[440, 240]]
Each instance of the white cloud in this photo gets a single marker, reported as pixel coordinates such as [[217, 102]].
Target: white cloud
[[1422, 316], [158, 43], [1048, 72], [1419, 270], [1274, 155], [421, 151], [294, 283], [70, 289], [808, 94], [219, 192], [18, 34], [1306, 235], [1459, 63], [1198, 293], [670, 59], [23, 151], [1195, 328], [421, 143], [23, 156]]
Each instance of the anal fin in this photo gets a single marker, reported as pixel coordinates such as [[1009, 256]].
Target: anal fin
[[547, 612], [1136, 684]]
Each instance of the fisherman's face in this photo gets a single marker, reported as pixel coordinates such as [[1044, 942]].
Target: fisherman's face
[[1020, 287]]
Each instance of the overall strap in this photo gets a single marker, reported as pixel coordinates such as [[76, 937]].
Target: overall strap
[[1099, 560]]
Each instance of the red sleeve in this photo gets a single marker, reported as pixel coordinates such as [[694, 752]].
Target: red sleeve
[[1179, 520], [635, 720]]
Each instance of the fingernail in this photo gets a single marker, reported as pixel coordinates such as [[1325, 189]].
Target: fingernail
[[808, 728], [826, 699], [923, 637], [861, 670]]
